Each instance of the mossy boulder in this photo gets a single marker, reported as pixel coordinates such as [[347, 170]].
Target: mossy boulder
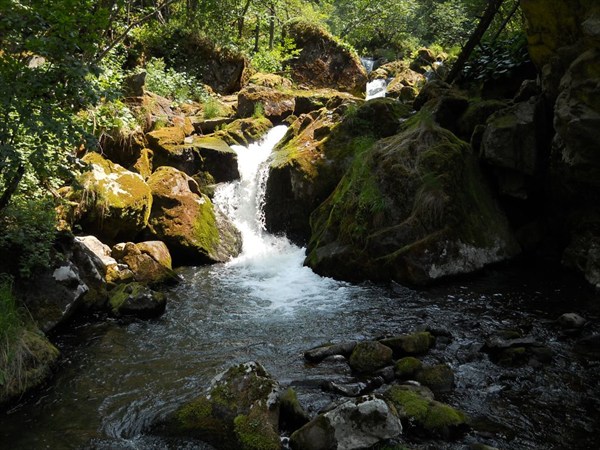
[[244, 131], [241, 411], [150, 262], [407, 367], [324, 62], [553, 24], [187, 222], [137, 300], [476, 114], [410, 344], [413, 208], [417, 406], [194, 154], [270, 80], [28, 364], [115, 201], [275, 104], [370, 356], [292, 415], [310, 160], [439, 378], [143, 164], [355, 424]]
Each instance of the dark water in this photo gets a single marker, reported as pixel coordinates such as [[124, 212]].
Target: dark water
[[117, 378]]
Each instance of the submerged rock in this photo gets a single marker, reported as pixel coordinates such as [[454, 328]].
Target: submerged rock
[[413, 208], [241, 411], [355, 424], [410, 344], [324, 351]]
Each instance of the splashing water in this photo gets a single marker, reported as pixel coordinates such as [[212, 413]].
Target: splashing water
[[270, 270]]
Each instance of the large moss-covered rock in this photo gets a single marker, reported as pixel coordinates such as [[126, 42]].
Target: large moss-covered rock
[[323, 62], [413, 208], [552, 24], [355, 424], [117, 202], [310, 160], [416, 404], [27, 364], [241, 411], [185, 219], [150, 261], [410, 344]]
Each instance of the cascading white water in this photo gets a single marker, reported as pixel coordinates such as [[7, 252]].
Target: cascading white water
[[270, 270], [376, 88]]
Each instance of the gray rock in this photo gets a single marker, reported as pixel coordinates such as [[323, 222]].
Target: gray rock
[[320, 353], [571, 320], [355, 424]]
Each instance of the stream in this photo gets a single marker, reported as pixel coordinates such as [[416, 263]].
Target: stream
[[118, 377]]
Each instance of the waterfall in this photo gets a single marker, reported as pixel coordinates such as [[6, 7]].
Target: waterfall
[[368, 62], [270, 268], [376, 88]]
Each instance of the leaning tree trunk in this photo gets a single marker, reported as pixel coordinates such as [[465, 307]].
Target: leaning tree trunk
[[484, 24]]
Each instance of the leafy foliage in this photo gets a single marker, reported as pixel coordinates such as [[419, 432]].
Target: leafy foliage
[[10, 326], [497, 60], [172, 84]]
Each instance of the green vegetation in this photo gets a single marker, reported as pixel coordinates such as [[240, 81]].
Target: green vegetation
[[11, 325]]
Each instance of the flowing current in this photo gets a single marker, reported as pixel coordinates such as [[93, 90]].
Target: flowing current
[[116, 378]]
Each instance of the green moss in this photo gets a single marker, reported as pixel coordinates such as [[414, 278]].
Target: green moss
[[370, 356], [407, 367], [255, 432], [205, 230], [410, 402], [442, 417], [120, 294], [195, 413]]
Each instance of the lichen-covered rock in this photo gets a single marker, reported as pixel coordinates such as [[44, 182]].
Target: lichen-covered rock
[[241, 411], [410, 344], [275, 104], [28, 364], [310, 160], [416, 405], [137, 300], [117, 202], [414, 208], [323, 62], [150, 261], [186, 221], [355, 424], [370, 356]]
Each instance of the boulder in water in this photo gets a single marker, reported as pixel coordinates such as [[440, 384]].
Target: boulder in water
[[413, 208], [274, 104], [416, 405], [240, 411], [355, 424], [410, 344], [186, 221], [137, 300], [149, 261], [370, 356]]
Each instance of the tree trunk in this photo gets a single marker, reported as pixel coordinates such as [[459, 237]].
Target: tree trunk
[[12, 186], [257, 34], [484, 24], [271, 26]]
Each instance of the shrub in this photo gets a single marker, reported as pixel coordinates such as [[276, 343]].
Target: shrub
[[10, 326], [27, 231], [167, 82]]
